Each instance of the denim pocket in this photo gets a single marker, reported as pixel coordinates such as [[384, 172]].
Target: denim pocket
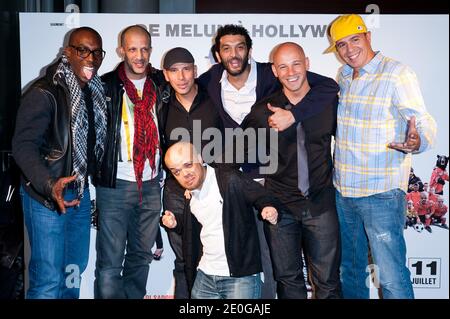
[[389, 194]]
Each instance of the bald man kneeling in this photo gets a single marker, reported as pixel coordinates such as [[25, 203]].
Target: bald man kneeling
[[220, 241]]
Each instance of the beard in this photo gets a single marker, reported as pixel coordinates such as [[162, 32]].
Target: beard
[[244, 64], [136, 72]]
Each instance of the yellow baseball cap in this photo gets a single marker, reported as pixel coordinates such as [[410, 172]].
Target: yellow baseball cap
[[344, 26]]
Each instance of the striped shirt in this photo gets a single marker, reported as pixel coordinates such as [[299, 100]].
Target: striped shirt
[[373, 111]]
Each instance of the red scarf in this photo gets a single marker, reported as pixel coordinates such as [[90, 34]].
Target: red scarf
[[145, 142]]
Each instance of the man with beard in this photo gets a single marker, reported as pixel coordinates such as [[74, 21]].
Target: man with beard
[[58, 142], [237, 83], [128, 189]]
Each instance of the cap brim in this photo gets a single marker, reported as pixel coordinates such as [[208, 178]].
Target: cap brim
[[332, 48]]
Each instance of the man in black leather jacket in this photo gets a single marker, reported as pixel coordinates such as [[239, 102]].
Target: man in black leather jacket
[[128, 191], [58, 142]]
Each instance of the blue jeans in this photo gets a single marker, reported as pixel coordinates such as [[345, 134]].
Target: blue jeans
[[59, 247], [223, 287], [377, 222], [126, 234]]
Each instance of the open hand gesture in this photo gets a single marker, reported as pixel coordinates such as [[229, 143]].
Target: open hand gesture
[[58, 193], [412, 142]]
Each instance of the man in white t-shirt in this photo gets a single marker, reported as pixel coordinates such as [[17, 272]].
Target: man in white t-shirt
[[220, 240], [128, 189]]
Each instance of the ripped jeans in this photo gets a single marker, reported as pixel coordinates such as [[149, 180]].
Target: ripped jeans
[[377, 222]]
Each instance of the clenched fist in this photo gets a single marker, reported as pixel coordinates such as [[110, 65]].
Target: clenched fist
[[169, 219], [270, 214]]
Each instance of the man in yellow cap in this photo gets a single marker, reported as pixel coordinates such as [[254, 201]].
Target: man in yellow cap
[[380, 102]]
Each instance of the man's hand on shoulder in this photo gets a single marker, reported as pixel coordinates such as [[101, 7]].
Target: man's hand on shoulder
[[281, 119]]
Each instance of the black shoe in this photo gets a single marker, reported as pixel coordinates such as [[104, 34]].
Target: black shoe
[[444, 226], [429, 229]]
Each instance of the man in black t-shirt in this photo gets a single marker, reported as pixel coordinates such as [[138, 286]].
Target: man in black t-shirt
[[186, 116]]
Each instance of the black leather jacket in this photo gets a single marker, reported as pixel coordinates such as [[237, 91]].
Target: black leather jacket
[[41, 144], [107, 174]]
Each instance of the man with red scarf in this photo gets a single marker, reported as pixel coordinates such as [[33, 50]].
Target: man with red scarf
[[128, 188]]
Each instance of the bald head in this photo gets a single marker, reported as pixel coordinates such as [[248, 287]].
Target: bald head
[[82, 32], [183, 150], [135, 49], [186, 165], [287, 47], [134, 30], [290, 66]]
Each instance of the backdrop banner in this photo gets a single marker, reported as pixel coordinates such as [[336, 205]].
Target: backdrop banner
[[420, 41]]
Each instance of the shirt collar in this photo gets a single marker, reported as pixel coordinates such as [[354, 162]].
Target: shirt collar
[[202, 193], [370, 67], [251, 80]]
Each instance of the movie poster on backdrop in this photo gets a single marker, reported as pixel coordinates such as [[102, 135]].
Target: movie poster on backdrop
[[396, 36]]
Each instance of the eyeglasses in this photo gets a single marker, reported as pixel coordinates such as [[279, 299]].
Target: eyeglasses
[[83, 52]]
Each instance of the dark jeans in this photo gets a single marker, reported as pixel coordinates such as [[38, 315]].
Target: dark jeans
[[318, 235], [269, 285], [126, 234], [173, 200]]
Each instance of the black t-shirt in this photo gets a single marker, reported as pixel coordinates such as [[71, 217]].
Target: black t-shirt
[[202, 111], [318, 129]]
